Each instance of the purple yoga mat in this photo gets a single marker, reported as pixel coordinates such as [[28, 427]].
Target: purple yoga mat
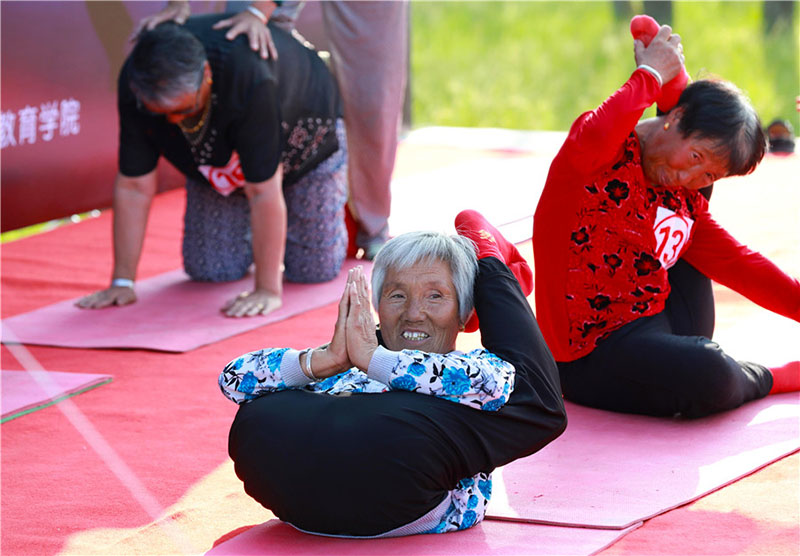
[[496, 538], [26, 391], [610, 470], [172, 314]]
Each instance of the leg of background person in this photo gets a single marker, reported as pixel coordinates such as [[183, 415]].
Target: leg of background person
[[217, 245], [316, 239], [645, 368], [369, 56]]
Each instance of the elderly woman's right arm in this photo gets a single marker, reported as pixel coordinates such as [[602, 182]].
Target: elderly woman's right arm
[[132, 199], [596, 137], [478, 379], [261, 372]]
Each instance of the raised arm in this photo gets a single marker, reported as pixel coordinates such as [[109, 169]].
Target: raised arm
[[597, 136]]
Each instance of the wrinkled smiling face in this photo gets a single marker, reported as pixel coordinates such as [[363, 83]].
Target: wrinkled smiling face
[[418, 308]]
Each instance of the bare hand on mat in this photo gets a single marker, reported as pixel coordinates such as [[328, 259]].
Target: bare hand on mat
[[249, 304], [119, 295]]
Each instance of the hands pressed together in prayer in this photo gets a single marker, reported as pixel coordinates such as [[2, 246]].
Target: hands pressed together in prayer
[[246, 22], [354, 340]]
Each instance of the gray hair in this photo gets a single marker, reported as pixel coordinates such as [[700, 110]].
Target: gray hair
[[166, 62], [411, 248]]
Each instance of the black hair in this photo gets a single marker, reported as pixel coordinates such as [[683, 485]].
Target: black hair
[[718, 110], [166, 61]]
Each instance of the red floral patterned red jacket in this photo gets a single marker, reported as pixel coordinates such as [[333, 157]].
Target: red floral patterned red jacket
[[604, 236]]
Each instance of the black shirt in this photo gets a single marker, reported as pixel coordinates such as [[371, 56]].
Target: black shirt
[[267, 111]]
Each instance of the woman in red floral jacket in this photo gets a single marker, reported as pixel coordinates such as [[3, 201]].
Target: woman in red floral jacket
[[622, 205]]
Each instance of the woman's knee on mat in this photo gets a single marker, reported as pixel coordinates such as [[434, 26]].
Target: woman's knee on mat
[[309, 265], [219, 266], [712, 384]]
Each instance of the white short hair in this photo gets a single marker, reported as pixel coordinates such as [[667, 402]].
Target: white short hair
[[406, 250]]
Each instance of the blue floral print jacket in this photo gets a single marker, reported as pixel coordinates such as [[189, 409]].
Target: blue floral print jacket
[[478, 379]]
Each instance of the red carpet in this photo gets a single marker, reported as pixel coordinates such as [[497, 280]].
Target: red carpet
[[165, 418]]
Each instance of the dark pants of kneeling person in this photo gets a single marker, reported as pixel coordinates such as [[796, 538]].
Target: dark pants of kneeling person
[[366, 464], [666, 364]]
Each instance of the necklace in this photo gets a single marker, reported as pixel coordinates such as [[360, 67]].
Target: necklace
[[196, 127]]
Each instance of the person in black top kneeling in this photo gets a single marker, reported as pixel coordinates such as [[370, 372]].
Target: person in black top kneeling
[[262, 145]]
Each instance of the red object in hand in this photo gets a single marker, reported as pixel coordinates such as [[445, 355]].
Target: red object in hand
[[644, 28], [489, 242]]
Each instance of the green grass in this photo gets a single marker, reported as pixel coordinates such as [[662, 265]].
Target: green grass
[[537, 65]]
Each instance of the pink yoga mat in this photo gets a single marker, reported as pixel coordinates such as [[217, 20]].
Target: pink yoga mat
[[172, 314], [495, 538], [610, 470], [24, 391]]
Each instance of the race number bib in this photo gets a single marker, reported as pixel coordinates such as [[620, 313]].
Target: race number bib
[[672, 231], [226, 179]]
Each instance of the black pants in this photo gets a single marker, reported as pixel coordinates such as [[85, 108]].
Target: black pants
[[368, 463], [666, 364]]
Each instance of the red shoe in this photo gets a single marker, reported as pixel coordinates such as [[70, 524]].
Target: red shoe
[[786, 378], [644, 28], [490, 243]]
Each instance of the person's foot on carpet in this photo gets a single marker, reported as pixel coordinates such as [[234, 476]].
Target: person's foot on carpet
[[489, 242], [786, 378]]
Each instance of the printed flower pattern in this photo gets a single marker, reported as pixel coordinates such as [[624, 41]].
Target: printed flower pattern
[[468, 503], [478, 378], [305, 138]]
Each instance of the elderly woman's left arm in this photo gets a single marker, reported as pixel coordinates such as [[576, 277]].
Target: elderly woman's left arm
[[718, 255], [268, 226], [477, 379]]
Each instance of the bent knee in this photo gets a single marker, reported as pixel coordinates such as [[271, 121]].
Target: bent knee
[[716, 382], [207, 269]]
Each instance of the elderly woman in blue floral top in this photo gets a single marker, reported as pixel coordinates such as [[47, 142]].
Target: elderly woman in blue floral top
[[313, 445]]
